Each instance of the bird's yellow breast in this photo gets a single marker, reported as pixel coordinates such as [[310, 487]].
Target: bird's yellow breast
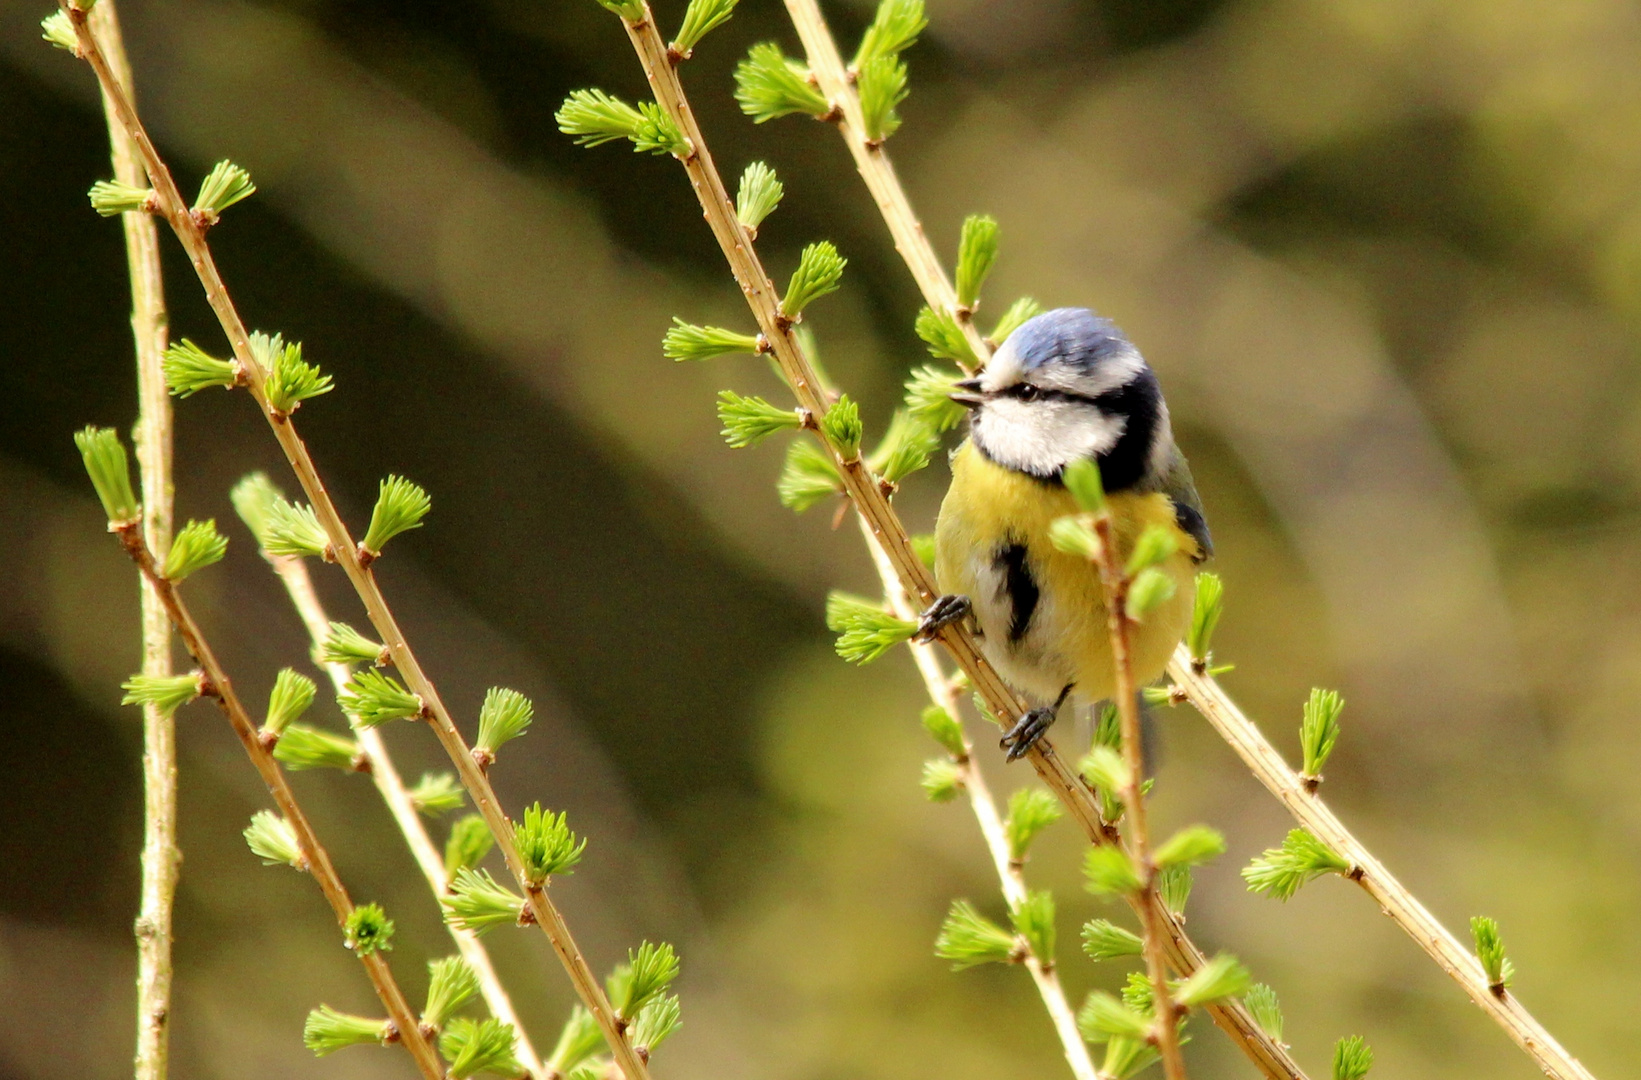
[[992, 545]]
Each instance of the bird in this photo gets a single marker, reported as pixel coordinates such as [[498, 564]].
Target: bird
[[1066, 385]]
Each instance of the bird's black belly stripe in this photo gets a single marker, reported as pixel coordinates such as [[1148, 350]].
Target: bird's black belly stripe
[[1021, 587]]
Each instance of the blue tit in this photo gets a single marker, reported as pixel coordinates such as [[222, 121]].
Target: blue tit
[[1066, 385]]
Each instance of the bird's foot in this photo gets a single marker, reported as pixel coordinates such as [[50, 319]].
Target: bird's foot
[[1029, 728], [1024, 734], [941, 614]]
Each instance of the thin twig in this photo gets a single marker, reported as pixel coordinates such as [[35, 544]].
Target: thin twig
[[943, 692], [342, 547], [884, 525], [1115, 582], [150, 329], [1393, 899], [215, 684], [299, 586], [875, 168]]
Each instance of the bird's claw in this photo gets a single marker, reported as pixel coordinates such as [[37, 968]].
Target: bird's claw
[[1029, 728], [941, 614], [1024, 734]]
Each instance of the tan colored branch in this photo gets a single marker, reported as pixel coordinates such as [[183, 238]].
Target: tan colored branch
[[149, 329], [884, 525], [1393, 899], [943, 692], [189, 231], [215, 684], [384, 774], [1115, 582]]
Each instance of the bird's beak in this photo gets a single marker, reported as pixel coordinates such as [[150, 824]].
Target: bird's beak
[[969, 395]]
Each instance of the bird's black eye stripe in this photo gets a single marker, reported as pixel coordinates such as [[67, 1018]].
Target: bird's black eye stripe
[[1024, 391]]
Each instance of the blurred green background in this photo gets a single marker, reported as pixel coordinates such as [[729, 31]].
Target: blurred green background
[[1385, 254]]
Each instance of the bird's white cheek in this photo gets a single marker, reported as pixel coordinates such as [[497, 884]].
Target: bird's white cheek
[[1041, 437]]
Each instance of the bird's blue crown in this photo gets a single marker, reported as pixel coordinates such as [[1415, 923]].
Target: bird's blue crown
[[1073, 335]]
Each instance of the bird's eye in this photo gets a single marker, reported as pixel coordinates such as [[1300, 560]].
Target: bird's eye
[[1025, 392]]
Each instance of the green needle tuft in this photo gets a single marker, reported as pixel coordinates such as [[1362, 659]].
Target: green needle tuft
[[1319, 731], [345, 645], [467, 845], [1221, 977], [1031, 810], [190, 369], [882, 85], [646, 974], [866, 631], [759, 194], [294, 531], [374, 697], [437, 794], [808, 477], [451, 984], [1033, 920], [1205, 612], [595, 118], [819, 273], [1266, 1009], [907, 447], [1105, 940], [894, 29], [369, 930], [944, 728], [327, 1031], [976, 254], [292, 695], [477, 903], [504, 716], [769, 85], [967, 938], [945, 339], [686, 341], [110, 472], [1281, 872], [1020, 312], [400, 507], [291, 380], [1191, 846], [700, 19], [167, 693], [195, 546], [942, 780], [928, 397], [304, 747], [545, 844], [271, 839], [223, 186], [749, 420], [475, 1046], [58, 31], [1107, 870], [111, 198], [842, 427], [1352, 1058], [1498, 967], [578, 1041]]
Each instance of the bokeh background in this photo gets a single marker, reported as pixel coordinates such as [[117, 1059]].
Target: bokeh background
[[1385, 254]]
